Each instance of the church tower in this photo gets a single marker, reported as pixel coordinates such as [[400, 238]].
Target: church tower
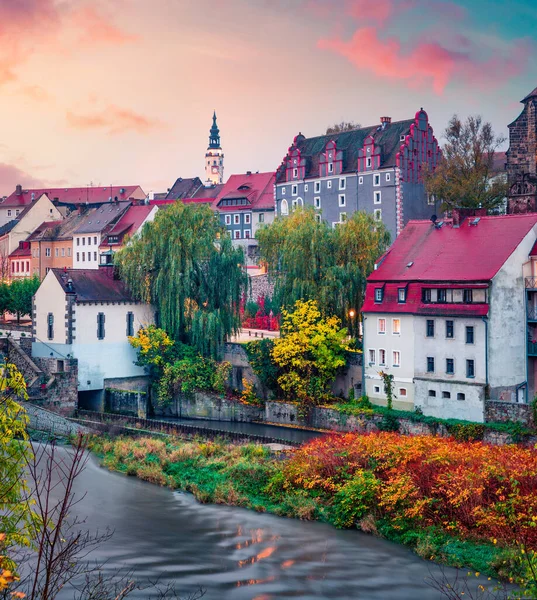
[[214, 157]]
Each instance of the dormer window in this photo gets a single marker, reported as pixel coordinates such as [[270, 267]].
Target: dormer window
[[295, 173], [401, 295], [368, 162], [467, 296], [379, 293], [330, 167]]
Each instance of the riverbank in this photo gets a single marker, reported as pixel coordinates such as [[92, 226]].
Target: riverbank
[[459, 504]]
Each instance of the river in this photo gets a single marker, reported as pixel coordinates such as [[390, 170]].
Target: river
[[238, 554]]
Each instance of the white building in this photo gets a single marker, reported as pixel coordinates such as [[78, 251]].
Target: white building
[[89, 315], [445, 313]]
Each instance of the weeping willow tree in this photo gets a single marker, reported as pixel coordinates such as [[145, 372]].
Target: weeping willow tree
[[184, 263], [308, 260]]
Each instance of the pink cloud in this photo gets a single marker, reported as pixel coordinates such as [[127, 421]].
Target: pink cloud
[[378, 11], [96, 29], [114, 120], [10, 176], [427, 63]]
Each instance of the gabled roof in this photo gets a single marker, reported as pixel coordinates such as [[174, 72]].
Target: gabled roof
[[467, 253], [184, 188], [350, 142], [5, 229], [532, 94], [92, 285], [57, 230], [129, 222], [96, 219], [256, 188], [77, 195], [21, 251]]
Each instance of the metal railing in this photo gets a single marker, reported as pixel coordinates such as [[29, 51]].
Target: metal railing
[[532, 313], [86, 417], [531, 283]]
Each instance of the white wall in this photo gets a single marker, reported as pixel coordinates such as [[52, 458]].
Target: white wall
[[41, 210], [404, 343], [470, 409], [85, 245], [50, 298]]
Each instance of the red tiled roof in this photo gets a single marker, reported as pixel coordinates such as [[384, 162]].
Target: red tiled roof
[[18, 252], [467, 253], [130, 222], [259, 190], [414, 303], [77, 195]]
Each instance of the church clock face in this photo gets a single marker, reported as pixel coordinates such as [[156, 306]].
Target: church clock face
[[214, 169]]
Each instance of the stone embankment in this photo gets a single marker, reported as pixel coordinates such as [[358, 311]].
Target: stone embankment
[[42, 419]]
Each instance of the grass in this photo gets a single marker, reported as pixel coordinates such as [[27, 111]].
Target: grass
[[250, 476]]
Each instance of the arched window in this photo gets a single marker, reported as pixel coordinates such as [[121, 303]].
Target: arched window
[[300, 202], [284, 207]]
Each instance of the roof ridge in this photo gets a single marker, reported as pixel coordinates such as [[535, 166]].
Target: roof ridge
[[313, 137]]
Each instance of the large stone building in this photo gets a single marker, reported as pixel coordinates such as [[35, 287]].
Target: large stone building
[[375, 169], [522, 158], [450, 312]]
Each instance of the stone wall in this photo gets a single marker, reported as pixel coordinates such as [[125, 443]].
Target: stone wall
[[509, 412], [124, 402], [260, 285], [62, 381], [51, 422]]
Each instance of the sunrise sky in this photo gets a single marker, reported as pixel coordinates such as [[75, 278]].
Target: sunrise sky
[[122, 91]]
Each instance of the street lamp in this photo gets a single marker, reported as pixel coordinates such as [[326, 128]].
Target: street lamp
[[352, 313]]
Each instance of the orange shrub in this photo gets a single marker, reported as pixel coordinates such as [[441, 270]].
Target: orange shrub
[[484, 492]]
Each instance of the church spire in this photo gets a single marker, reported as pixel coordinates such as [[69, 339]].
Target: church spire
[[214, 134]]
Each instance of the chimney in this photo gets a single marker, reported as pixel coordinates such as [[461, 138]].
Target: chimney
[[456, 216], [248, 172], [18, 190], [385, 121]]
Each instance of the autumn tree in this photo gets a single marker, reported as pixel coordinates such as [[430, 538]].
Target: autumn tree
[[309, 352], [185, 264], [342, 126], [309, 260], [465, 176]]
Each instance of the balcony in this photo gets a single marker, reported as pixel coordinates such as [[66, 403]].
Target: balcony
[[531, 283], [532, 348], [531, 312]]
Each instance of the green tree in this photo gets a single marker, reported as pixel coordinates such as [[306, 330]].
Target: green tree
[[21, 292], [342, 126], [309, 260], [309, 352], [184, 263], [465, 177]]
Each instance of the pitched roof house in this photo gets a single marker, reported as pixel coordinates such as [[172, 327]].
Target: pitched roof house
[[445, 313]]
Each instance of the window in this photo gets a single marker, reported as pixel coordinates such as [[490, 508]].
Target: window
[[318, 218], [377, 214], [396, 358], [441, 296], [57, 252], [89, 241], [360, 180], [396, 326], [284, 208], [372, 357], [388, 176], [94, 256], [430, 364], [305, 187], [449, 329], [430, 328], [295, 173], [446, 395], [227, 219], [78, 256], [401, 295], [382, 357], [368, 162], [130, 324], [63, 251], [342, 183], [69, 252], [317, 202], [469, 335], [247, 234], [50, 326], [431, 200], [376, 179], [27, 266], [432, 394], [78, 241], [377, 197], [379, 292], [294, 190], [261, 217], [342, 199], [13, 267], [247, 219], [100, 326], [317, 187], [467, 296], [377, 389], [47, 252], [83, 241], [402, 137], [450, 366], [330, 167], [237, 234], [342, 217], [470, 368], [329, 185], [83, 256], [402, 393], [236, 219], [9, 213], [95, 240], [426, 296], [382, 325], [17, 213], [283, 191], [461, 396]]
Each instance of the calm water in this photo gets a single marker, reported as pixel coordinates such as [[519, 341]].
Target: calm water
[[238, 554]]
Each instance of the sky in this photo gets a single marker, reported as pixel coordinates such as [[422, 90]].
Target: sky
[[122, 91]]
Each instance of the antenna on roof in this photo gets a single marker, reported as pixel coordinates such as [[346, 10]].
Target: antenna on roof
[[474, 222]]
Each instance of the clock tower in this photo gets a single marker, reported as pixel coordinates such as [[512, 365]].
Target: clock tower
[[214, 157]]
